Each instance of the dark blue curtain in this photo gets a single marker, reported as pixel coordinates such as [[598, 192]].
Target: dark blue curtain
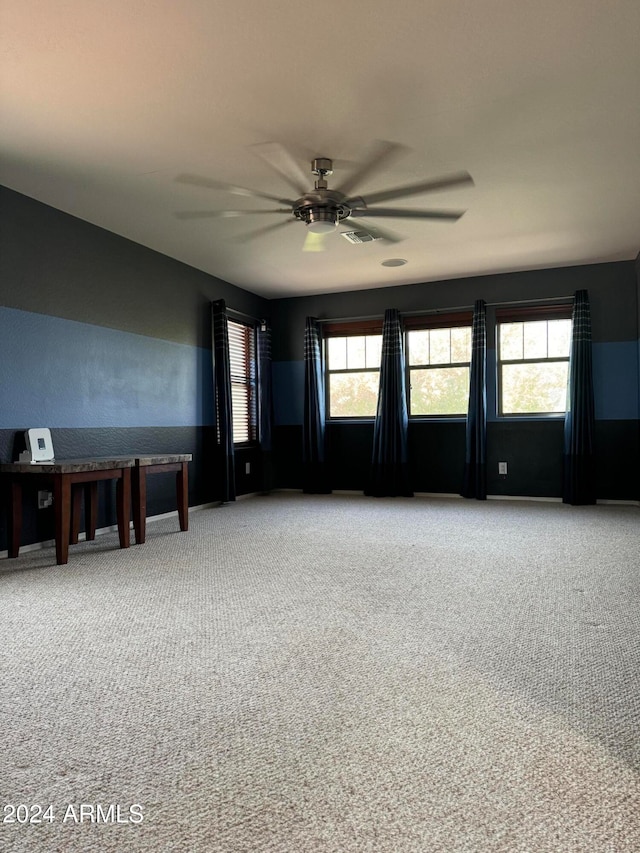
[[265, 399], [475, 462], [222, 397], [579, 422], [389, 465], [315, 474]]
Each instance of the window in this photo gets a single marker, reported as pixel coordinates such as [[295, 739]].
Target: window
[[353, 355], [438, 368], [533, 363], [244, 403]]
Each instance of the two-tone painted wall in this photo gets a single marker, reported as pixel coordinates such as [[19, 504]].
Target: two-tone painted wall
[[108, 344], [531, 447]]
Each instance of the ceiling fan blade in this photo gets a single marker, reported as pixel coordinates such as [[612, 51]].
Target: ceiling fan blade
[[314, 242], [210, 184], [456, 180], [276, 156], [381, 153], [222, 214], [384, 233], [401, 213], [267, 229]]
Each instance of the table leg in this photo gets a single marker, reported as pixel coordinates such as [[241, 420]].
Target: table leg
[[139, 492], [62, 507], [182, 488], [15, 522], [76, 503], [91, 509], [123, 506]]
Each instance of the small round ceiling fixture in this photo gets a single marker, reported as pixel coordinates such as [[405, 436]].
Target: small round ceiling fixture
[[394, 262]]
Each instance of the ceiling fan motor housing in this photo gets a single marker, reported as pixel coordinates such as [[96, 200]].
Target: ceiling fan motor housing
[[321, 210]]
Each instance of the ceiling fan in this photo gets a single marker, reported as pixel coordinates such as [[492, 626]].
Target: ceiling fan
[[322, 209]]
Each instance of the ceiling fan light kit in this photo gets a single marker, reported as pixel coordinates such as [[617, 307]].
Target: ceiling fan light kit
[[323, 209]]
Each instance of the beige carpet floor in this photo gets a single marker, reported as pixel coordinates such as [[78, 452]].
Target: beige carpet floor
[[339, 674]]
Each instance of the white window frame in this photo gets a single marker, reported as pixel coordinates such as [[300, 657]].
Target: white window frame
[[528, 316], [450, 321]]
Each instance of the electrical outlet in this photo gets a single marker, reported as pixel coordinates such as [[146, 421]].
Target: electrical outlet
[[247, 468], [45, 499], [502, 469]]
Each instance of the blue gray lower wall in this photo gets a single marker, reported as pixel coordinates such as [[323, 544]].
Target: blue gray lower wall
[[63, 373]]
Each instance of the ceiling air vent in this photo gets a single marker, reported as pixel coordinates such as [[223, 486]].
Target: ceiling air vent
[[359, 236]]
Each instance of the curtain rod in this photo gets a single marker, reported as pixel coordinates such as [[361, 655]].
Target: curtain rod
[[233, 311], [448, 310]]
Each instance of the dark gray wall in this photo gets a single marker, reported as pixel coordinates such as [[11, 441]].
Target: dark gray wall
[[54, 264], [612, 293]]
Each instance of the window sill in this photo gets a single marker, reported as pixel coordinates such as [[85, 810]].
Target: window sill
[[361, 420], [437, 419], [518, 418]]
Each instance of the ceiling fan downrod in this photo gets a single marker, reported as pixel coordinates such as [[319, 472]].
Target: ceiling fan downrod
[[321, 166]]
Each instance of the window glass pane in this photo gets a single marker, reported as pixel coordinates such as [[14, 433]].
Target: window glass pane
[[337, 353], [353, 395], [559, 338], [461, 344], [355, 352], [440, 391], [418, 346], [511, 340], [374, 350], [440, 346], [533, 388], [535, 339]]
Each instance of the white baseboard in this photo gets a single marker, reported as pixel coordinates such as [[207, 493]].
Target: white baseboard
[[489, 497], [49, 543], [523, 498], [113, 528]]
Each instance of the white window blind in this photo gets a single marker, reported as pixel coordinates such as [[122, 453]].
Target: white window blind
[[242, 357]]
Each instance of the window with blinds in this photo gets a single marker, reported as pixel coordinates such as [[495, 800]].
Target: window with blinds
[[244, 403]]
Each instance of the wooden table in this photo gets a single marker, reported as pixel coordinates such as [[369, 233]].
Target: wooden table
[[159, 464], [65, 475]]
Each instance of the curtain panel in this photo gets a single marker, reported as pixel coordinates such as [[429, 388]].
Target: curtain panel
[[265, 404], [222, 402], [475, 463], [579, 424], [315, 477], [389, 463]]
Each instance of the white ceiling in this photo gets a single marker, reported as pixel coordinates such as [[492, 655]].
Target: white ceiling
[[104, 103]]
